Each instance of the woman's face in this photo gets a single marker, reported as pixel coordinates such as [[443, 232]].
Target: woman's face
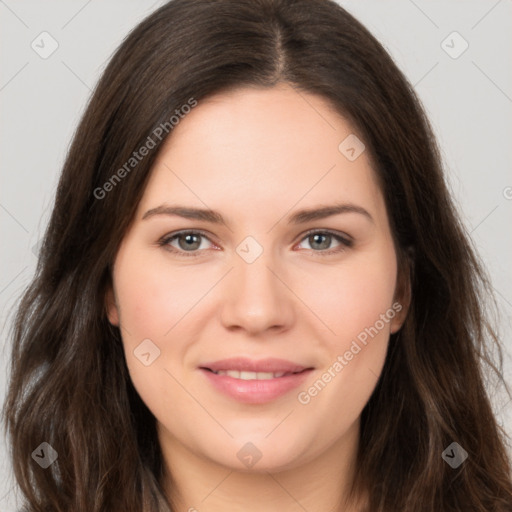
[[256, 294]]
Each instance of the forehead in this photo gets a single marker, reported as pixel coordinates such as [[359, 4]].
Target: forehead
[[250, 149]]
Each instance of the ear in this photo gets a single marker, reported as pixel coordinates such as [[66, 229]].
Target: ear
[[403, 290], [111, 307]]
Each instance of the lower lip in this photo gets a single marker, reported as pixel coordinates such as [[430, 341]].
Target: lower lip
[[256, 391]]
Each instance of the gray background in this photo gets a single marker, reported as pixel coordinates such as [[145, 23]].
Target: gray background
[[468, 100]]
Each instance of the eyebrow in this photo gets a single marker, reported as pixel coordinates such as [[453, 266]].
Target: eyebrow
[[299, 217]]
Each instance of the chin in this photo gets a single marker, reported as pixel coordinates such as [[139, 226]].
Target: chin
[[259, 455]]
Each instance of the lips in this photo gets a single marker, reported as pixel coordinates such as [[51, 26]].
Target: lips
[[254, 382]]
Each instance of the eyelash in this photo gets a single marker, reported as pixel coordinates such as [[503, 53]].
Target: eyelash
[[167, 239]]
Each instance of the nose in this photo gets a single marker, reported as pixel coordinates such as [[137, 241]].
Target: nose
[[256, 297]]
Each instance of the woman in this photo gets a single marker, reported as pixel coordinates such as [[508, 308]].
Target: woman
[[187, 345]]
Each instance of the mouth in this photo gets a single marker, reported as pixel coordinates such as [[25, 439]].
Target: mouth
[[244, 375], [254, 382]]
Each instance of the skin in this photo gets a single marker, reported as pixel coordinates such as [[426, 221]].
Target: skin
[[257, 156]]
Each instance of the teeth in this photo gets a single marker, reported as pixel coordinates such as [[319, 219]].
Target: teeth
[[235, 374]]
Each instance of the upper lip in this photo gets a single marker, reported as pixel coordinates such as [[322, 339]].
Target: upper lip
[[271, 365]]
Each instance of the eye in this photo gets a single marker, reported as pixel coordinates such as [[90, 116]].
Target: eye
[[190, 243], [187, 242], [322, 240]]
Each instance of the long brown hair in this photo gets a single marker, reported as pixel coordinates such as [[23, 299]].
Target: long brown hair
[[69, 383]]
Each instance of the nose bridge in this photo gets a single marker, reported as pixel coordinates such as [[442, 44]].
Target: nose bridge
[[256, 299]]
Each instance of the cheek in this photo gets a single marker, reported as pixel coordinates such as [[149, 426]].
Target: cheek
[[357, 306], [160, 302], [351, 296], [153, 306], [153, 298]]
